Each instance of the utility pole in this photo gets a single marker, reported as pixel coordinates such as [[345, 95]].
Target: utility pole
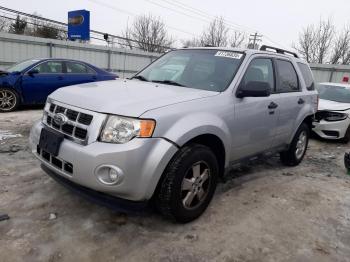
[[253, 41]]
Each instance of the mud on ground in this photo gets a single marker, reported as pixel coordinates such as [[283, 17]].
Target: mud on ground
[[266, 212]]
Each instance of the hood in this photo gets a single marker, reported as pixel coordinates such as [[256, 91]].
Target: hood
[[332, 105], [126, 97]]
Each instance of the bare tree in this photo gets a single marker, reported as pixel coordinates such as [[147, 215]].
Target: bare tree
[[341, 49], [127, 35], [194, 42], [306, 45], [315, 42], [18, 26], [149, 34], [215, 34], [4, 23], [324, 38], [41, 28], [237, 39]]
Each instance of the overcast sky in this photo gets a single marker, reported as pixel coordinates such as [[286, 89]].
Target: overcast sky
[[278, 20]]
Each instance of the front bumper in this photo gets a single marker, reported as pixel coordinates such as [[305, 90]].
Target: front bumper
[[331, 130], [142, 162]]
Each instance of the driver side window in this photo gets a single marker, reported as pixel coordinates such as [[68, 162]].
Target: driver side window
[[260, 70], [51, 67]]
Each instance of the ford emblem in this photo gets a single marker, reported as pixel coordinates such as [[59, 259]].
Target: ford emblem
[[60, 119]]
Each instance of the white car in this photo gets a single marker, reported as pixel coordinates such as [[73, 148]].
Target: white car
[[332, 118]]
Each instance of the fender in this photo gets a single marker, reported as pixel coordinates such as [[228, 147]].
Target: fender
[[13, 82], [193, 125]]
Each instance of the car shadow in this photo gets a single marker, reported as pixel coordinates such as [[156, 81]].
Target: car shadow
[[30, 107]]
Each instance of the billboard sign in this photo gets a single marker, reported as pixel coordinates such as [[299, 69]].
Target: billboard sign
[[79, 25]]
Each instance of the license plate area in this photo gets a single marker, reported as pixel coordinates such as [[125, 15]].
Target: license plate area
[[50, 141]]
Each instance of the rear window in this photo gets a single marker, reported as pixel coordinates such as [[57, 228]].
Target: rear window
[[77, 68], [307, 75], [288, 79]]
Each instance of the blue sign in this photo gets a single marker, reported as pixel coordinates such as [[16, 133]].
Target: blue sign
[[79, 25]]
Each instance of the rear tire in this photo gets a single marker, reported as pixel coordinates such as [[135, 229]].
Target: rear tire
[[188, 184], [297, 149], [9, 100]]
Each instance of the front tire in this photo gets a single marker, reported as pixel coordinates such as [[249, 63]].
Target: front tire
[[9, 100], [297, 149], [346, 138], [188, 184]]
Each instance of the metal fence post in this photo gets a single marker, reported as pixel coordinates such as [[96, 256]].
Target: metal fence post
[[109, 59], [50, 49], [332, 73]]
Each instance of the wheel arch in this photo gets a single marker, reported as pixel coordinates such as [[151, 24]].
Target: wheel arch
[[207, 139], [215, 144], [308, 119]]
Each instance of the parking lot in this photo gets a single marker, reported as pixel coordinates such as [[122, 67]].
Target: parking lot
[[265, 212]]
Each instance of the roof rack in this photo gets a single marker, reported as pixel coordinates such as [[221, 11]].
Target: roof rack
[[278, 50]]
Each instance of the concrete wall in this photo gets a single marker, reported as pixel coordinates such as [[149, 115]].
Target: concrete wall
[[124, 62], [330, 73]]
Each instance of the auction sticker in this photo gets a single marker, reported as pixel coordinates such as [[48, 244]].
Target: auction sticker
[[229, 54]]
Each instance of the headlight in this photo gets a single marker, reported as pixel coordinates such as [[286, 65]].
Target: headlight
[[334, 116], [122, 129]]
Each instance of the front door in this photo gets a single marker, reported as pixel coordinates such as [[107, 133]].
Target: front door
[[253, 129], [49, 77]]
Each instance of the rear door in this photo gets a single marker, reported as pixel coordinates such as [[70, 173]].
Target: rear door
[[79, 73], [290, 101], [38, 86], [253, 129]]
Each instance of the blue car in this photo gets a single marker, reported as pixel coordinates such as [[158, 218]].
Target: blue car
[[31, 81]]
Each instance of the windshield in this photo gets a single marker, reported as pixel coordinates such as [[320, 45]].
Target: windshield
[[334, 93], [19, 67], [210, 70]]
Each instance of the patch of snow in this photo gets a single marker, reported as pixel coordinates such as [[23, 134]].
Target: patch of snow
[[4, 134]]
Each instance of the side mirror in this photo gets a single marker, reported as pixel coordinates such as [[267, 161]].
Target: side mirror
[[33, 72], [254, 89]]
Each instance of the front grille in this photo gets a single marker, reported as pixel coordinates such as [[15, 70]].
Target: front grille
[[80, 133], [77, 125], [58, 163], [85, 119], [68, 129], [72, 115]]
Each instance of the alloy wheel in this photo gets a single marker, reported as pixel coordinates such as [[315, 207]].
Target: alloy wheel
[[301, 145], [195, 185], [7, 100]]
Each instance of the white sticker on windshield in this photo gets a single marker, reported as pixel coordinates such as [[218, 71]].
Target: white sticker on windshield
[[229, 54]]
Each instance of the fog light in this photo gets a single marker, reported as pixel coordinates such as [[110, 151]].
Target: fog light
[[113, 175], [109, 175]]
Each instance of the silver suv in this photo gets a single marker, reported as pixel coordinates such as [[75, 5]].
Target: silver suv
[[170, 132]]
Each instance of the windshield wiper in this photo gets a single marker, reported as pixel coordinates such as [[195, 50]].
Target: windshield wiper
[[168, 82], [140, 77]]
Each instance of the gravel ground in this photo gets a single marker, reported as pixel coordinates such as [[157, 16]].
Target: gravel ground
[[265, 212]]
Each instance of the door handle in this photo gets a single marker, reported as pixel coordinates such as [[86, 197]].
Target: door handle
[[94, 77], [60, 78], [272, 105], [301, 101]]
